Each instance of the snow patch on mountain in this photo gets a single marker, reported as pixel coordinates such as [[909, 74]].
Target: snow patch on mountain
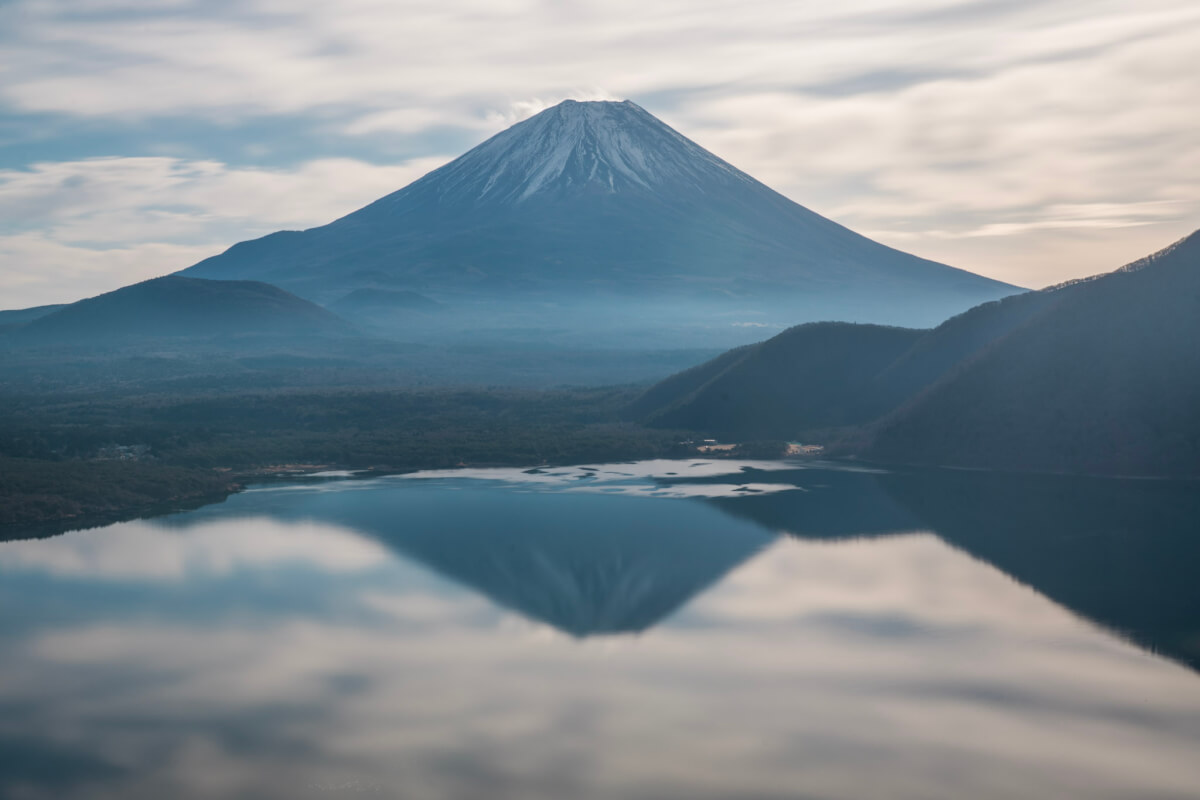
[[581, 146]]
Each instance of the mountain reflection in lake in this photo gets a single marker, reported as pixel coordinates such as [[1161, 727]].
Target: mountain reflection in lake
[[655, 630]]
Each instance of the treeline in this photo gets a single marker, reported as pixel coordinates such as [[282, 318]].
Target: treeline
[[385, 429], [37, 491], [71, 457]]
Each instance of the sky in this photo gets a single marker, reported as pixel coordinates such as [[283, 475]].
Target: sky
[[1033, 141]]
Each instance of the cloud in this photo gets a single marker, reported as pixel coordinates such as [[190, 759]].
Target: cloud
[[98, 224], [140, 551], [953, 130], [1015, 144], [813, 580], [789, 673], [40, 271]]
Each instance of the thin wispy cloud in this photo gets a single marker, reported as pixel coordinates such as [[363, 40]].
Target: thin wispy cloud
[[958, 131], [97, 224]]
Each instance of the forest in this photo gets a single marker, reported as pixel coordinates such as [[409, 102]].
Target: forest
[[71, 457]]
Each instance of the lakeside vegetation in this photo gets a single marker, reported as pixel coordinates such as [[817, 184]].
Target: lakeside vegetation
[[86, 455], [36, 492], [393, 430]]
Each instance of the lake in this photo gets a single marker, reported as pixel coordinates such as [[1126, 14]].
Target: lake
[[694, 629]]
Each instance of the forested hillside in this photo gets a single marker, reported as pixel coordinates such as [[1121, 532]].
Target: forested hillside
[[814, 375], [1100, 375], [1106, 380]]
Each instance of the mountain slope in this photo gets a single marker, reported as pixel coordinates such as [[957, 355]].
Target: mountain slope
[[603, 197], [812, 376], [1106, 379], [22, 316], [174, 306], [826, 374], [1100, 375]]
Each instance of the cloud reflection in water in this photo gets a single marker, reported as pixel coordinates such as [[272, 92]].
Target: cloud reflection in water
[[886, 667]]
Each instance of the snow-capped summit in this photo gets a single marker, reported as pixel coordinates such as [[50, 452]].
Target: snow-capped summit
[[602, 199], [581, 146]]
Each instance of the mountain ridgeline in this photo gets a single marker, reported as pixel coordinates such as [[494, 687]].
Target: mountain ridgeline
[[1100, 376], [597, 220], [175, 307]]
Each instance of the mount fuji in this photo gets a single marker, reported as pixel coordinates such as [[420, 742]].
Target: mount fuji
[[597, 218]]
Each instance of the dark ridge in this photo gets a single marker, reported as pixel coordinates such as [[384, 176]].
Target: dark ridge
[[1096, 376], [21, 316], [177, 307], [811, 376], [1105, 380]]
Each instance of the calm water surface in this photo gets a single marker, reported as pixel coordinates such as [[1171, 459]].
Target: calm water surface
[[654, 630]]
